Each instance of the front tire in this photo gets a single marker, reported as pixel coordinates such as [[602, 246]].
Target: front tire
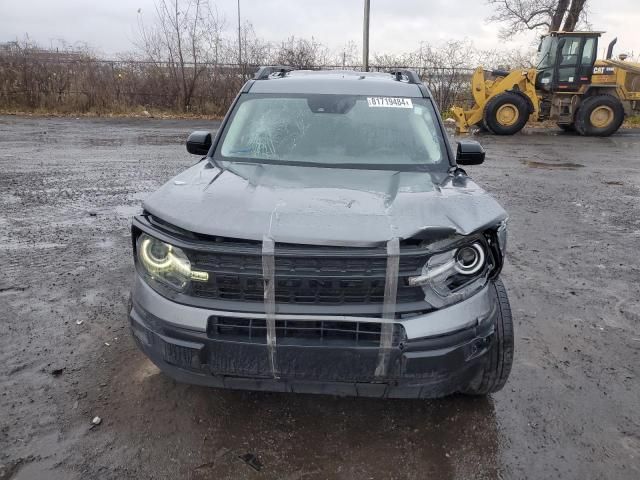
[[599, 116], [506, 113], [496, 372]]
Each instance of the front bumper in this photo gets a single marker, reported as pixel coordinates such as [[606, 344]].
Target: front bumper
[[439, 352]]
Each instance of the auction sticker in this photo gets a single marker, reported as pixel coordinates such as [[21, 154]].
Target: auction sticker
[[389, 102]]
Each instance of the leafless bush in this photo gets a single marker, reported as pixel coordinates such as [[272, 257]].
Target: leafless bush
[[176, 72], [446, 68], [301, 53]]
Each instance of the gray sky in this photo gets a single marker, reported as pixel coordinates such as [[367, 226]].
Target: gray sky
[[110, 25]]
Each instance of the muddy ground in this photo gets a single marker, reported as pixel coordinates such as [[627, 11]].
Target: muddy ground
[[571, 408]]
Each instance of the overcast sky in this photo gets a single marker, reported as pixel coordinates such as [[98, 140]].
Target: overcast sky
[[110, 26]]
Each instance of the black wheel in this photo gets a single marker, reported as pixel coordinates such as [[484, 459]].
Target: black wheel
[[599, 116], [567, 127], [498, 368], [506, 114]]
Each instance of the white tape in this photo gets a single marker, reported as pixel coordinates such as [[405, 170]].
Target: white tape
[[268, 277], [389, 306]]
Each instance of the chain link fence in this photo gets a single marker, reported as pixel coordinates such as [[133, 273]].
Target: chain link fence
[[77, 83]]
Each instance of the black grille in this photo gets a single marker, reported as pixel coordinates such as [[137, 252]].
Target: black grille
[[324, 332], [307, 276]]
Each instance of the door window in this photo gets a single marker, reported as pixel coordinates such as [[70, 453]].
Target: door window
[[568, 60], [589, 52], [569, 53]]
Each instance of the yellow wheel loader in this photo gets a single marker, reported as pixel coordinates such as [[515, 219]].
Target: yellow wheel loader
[[568, 86]]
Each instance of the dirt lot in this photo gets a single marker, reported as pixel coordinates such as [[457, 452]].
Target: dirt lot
[[570, 410]]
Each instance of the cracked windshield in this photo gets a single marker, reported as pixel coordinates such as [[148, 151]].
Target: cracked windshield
[[335, 130]]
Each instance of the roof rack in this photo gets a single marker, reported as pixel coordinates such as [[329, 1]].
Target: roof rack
[[265, 72], [410, 75]]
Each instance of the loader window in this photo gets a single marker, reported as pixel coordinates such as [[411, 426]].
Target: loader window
[[589, 52], [547, 53], [569, 53], [568, 60]]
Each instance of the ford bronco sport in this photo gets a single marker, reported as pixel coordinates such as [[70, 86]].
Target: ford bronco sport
[[327, 242]]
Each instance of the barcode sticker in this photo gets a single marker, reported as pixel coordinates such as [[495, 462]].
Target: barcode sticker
[[389, 102]]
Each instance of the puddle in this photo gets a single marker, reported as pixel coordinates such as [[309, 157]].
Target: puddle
[[9, 199], [49, 452], [105, 142], [128, 211], [31, 246], [104, 243], [161, 139], [552, 166], [139, 195]]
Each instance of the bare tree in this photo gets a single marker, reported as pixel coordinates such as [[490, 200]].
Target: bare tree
[[302, 53], [180, 40], [574, 14], [558, 15], [350, 55], [255, 51], [540, 15]]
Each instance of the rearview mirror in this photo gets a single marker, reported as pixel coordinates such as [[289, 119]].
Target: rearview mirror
[[469, 152], [199, 142]]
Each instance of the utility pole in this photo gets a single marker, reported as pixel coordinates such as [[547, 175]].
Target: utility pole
[[365, 37], [239, 39]]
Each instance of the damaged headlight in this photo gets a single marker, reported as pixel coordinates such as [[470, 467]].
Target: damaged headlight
[[454, 275], [501, 233], [166, 263]]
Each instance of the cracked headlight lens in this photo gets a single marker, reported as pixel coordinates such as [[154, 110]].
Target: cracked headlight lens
[[165, 263], [454, 275]]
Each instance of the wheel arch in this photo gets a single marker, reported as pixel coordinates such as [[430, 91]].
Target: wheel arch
[[526, 98], [594, 90]]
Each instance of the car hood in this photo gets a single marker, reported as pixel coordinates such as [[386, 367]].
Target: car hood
[[321, 206]]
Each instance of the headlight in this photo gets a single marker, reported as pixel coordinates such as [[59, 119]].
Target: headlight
[[166, 264], [454, 275], [469, 259]]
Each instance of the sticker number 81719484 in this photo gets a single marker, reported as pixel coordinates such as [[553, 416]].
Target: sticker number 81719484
[[389, 102]]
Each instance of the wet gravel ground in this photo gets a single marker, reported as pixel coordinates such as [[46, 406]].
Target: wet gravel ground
[[571, 408]]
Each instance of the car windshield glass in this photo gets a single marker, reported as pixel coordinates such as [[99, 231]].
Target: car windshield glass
[[335, 131]]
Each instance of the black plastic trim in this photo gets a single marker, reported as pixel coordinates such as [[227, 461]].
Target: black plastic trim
[[265, 72], [411, 75]]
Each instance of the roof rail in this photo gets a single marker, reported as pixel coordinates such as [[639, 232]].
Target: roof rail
[[410, 75], [265, 72]]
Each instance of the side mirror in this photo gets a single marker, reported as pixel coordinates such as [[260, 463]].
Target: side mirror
[[469, 152], [199, 142]]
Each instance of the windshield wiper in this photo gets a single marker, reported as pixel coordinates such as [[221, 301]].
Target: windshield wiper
[[420, 167]]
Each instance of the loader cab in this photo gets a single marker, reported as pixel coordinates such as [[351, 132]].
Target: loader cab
[[565, 61]]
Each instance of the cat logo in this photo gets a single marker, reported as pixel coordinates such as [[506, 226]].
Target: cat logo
[[604, 70]]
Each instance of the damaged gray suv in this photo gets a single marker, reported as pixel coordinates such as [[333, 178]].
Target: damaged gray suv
[[327, 242]]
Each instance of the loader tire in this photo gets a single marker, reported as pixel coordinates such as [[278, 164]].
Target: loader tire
[[506, 113], [599, 116]]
